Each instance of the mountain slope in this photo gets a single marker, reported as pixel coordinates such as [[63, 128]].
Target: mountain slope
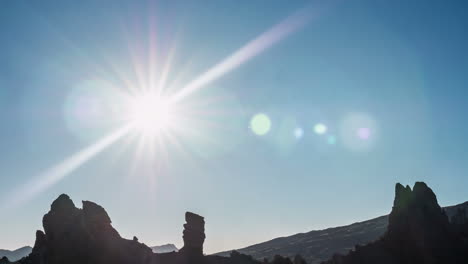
[[320, 245], [15, 254]]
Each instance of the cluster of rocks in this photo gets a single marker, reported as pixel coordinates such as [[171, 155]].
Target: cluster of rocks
[[73, 235], [76, 236], [419, 231]]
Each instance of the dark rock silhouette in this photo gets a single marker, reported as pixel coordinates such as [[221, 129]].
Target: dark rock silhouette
[[418, 232], [76, 236], [194, 234], [85, 235], [320, 245]]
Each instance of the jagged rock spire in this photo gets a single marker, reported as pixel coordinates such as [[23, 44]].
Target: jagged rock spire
[[194, 233]]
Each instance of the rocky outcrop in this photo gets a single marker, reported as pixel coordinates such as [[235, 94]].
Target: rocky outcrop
[[73, 235], [76, 236], [318, 246], [194, 234], [418, 232]]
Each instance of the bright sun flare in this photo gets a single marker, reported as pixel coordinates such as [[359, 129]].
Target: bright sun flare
[[150, 113]]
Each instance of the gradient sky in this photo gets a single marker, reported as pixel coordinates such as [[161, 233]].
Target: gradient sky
[[398, 68]]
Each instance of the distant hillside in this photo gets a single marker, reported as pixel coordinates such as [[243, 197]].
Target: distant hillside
[[15, 254], [320, 245], [165, 248]]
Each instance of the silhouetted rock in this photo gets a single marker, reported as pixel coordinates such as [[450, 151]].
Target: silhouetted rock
[[320, 245], [77, 236], [194, 234], [418, 232], [85, 235]]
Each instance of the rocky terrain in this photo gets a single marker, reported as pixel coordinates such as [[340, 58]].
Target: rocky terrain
[[417, 231], [320, 245]]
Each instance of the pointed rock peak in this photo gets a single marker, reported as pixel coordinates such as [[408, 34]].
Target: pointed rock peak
[[421, 189], [402, 196], [420, 195], [420, 186], [96, 213], [399, 186], [62, 203], [417, 207], [423, 195], [40, 241], [40, 236]]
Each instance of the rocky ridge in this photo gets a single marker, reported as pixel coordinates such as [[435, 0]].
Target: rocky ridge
[[418, 231]]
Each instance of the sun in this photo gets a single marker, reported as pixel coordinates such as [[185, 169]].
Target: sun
[[150, 113]]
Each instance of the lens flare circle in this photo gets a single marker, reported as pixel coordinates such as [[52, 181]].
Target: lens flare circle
[[320, 129], [260, 124], [298, 132], [359, 132]]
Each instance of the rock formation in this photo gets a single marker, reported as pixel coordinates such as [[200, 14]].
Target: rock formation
[[318, 246], [73, 235], [418, 232], [76, 236], [194, 234]]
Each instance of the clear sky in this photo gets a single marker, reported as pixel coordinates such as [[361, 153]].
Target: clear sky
[[355, 96]]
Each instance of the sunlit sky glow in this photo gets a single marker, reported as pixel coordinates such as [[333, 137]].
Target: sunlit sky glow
[[257, 122]]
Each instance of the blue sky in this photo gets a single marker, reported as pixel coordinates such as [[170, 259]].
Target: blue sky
[[397, 67]]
